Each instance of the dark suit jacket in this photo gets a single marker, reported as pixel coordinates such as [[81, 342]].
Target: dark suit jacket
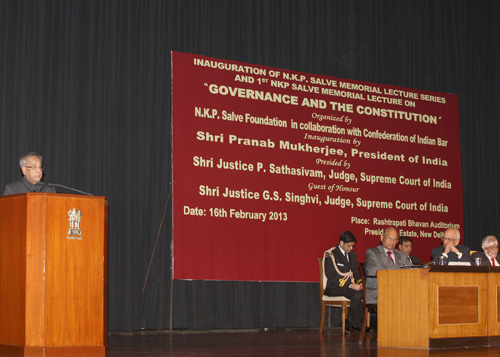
[[344, 266], [485, 261], [415, 260], [452, 257], [24, 186], [377, 259]]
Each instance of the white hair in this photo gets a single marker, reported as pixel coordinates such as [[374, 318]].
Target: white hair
[[487, 240], [23, 160]]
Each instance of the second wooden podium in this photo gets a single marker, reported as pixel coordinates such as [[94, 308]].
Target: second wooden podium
[[442, 306]]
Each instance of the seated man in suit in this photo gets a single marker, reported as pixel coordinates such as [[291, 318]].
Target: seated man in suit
[[344, 279], [490, 248], [32, 169], [406, 246], [451, 250], [381, 258]]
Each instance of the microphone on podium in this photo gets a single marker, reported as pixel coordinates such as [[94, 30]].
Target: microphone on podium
[[69, 188]]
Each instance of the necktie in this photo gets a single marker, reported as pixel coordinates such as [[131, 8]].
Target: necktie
[[493, 262], [347, 257], [389, 253]]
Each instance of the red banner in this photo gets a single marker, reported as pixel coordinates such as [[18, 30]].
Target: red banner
[[271, 165]]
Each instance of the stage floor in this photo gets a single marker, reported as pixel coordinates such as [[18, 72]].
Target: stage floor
[[273, 343]]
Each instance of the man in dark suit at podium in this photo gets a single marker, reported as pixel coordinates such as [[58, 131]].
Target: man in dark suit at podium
[[31, 166], [343, 277], [451, 250], [406, 246], [490, 255]]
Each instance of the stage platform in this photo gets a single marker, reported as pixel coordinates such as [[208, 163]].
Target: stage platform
[[271, 343]]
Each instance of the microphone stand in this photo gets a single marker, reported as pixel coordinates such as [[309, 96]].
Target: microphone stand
[[69, 188]]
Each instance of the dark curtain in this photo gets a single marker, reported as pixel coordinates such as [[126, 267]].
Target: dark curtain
[[86, 83]]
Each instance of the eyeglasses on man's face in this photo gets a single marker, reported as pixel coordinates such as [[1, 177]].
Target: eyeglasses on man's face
[[34, 168]]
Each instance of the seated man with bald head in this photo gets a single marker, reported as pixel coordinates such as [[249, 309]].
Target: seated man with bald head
[[383, 257], [490, 248], [451, 250]]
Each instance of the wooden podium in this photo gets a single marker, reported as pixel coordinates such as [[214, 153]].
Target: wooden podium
[[53, 275], [441, 306]]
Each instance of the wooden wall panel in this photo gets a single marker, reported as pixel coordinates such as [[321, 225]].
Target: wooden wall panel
[[75, 274], [458, 305], [469, 282], [494, 303], [403, 307], [35, 266], [12, 270]]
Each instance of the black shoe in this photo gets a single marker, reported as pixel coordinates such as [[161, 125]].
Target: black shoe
[[347, 327], [355, 330]]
